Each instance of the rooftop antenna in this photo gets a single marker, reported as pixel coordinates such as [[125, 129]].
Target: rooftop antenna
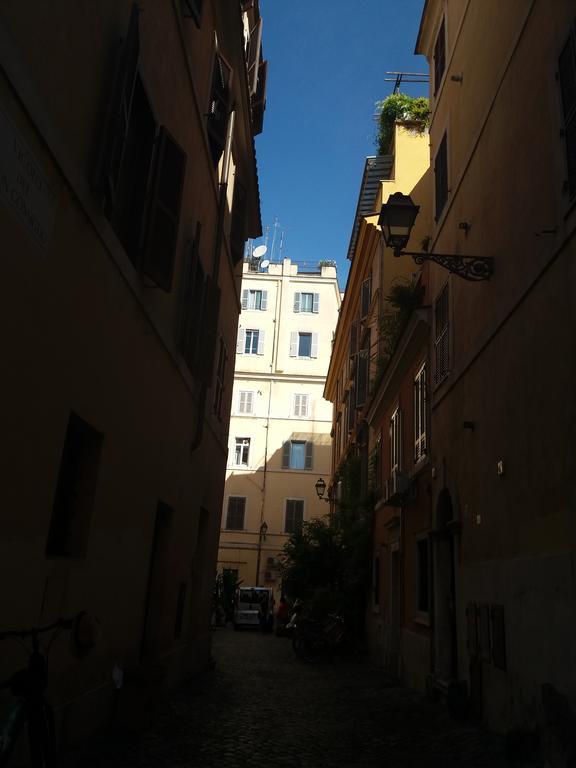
[[405, 77], [274, 237], [267, 230], [281, 243]]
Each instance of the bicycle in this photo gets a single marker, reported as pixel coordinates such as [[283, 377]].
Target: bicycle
[[29, 686]]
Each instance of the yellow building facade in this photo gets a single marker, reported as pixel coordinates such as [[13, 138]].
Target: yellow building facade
[[503, 149], [279, 440]]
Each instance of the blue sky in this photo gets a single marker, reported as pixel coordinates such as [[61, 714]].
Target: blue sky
[[327, 64]]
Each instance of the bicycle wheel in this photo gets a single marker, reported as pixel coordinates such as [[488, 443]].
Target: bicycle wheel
[[11, 730], [41, 732]]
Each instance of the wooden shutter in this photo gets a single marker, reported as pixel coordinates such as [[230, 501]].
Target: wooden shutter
[[249, 402], [316, 303], [238, 223], [353, 338], [303, 405], [164, 212], [366, 296], [309, 449], [296, 405], [361, 377], [498, 637], [209, 333], [261, 335], [191, 304], [296, 302], [286, 455], [441, 176], [244, 299], [218, 108], [264, 301], [118, 118], [294, 344], [193, 10], [314, 345], [241, 341], [567, 78], [439, 56], [259, 99]]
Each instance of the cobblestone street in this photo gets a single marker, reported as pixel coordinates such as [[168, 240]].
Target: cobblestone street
[[262, 707]]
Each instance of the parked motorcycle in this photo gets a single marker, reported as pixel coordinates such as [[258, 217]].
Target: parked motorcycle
[[313, 640]]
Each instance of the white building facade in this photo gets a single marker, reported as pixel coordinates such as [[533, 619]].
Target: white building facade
[[279, 440]]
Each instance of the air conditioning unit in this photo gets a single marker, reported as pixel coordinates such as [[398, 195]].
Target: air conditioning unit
[[271, 562], [395, 488]]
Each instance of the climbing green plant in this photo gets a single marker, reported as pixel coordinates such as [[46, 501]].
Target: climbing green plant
[[400, 106]]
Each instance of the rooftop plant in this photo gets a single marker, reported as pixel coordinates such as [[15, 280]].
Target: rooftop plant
[[400, 106]]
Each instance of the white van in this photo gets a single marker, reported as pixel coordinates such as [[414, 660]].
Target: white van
[[248, 607]]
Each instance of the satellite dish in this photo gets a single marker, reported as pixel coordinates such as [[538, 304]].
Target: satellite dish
[[265, 264], [259, 251]]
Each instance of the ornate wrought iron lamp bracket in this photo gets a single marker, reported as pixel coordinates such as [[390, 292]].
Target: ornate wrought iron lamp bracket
[[473, 268]]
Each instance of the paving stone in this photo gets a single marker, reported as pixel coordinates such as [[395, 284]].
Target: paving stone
[[262, 707]]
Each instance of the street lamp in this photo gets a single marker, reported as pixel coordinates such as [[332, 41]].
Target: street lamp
[[396, 220], [261, 537], [320, 486]]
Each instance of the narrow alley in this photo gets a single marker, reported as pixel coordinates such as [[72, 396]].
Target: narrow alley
[[262, 707]]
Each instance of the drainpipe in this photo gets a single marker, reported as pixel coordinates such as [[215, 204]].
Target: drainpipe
[[197, 439]]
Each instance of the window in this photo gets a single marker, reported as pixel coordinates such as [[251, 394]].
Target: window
[[193, 9], [294, 515], [567, 79], [238, 223], [254, 299], [199, 307], [250, 342], [303, 344], [300, 405], [306, 302], [420, 414], [75, 490], [422, 576], [351, 400], [441, 176], [395, 441], [442, 339], [235, 514], [246, 402], [218, 109], [377, 467], [439, 56], [141, 169], [366, 297], [180, 604], [242, 451], [220, 383], [297, 454], [363, 370]]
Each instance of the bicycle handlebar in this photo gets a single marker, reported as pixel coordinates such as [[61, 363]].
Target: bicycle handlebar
[[22, 634]]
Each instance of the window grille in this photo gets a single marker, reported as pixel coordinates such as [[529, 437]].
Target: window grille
[[442, 340], [395, 441], [420, 414]]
